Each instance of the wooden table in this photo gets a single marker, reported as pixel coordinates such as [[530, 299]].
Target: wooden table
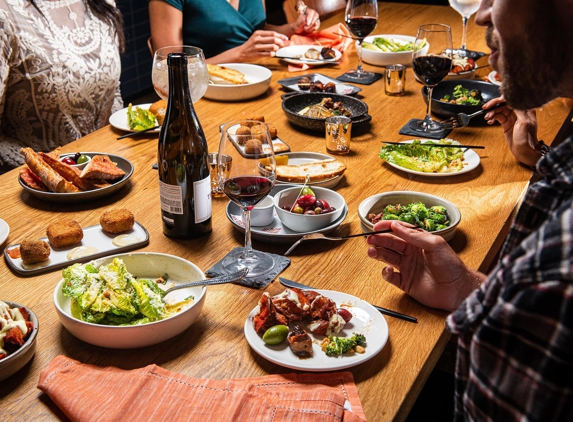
[[214, 347]]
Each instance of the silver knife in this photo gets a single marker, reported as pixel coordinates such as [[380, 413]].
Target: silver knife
[[385, 311]]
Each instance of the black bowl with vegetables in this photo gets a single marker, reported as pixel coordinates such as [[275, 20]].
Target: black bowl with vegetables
[[446, 89], [294, 103]]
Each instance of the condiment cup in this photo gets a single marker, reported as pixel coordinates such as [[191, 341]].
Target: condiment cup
[[263, 213], [78, 166]]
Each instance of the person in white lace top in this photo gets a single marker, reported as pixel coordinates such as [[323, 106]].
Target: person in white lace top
[[59, 72]]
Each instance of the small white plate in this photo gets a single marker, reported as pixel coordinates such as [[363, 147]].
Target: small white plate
[[119, 119], [471, 161], [94, 236], [365, 320], [299, 50], [492, 78], [296, 158], [4, 231]]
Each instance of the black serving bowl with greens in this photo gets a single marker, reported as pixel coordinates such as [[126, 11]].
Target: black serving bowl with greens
[[294, 102], [446, 110]]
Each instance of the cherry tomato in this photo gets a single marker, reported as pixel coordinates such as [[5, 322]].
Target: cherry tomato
[[68, 160]]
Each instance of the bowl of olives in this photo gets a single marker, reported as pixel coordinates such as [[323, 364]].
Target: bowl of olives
[[308, 209], [77, 159]]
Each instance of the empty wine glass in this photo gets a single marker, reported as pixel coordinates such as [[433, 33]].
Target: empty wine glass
[[431, 61], [196, 71], [361, 18], [247, 183], [466, 8]]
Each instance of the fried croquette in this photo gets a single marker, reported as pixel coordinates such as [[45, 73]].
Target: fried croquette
[[253, 117], [253, 146], [64, 233], [33, 251], [117, 221], [243, 134]]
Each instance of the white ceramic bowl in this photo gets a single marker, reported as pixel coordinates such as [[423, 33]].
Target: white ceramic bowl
[[148, 265], [258, 78], [376, 203], [379, 58], [468, 74], [307, 223], [263, 213], [17, 360], [71, 155]]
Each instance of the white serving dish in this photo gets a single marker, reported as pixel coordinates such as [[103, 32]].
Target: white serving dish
[[258, 78], [148, 265], [379, 58], [376, 203]]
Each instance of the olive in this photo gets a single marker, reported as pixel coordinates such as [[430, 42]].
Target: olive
[[306, 191], [82, 159], [309, 212], [68, 160], [306, 200], [276, 334], [298, 209], [318, 210]]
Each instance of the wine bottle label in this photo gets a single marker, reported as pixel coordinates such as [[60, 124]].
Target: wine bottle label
[[171, 198], [202, 199]]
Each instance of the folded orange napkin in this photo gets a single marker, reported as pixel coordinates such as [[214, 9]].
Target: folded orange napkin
[[334, 36], [89, 393]]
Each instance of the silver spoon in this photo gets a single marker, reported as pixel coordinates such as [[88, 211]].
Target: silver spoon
[[227, 278]]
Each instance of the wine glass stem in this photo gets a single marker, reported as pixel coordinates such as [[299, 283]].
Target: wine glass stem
[[248, 251], [428, 118], [359, 69], [464, 31]]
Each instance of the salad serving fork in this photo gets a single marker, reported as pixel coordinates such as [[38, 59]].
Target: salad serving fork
[[463, 119], [227, 278]]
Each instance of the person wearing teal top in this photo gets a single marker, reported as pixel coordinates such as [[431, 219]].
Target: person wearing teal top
[[227, 30]]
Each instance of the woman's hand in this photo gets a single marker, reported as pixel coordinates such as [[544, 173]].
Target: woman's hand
[[423, 265], [519, 129], [306, 23], [262, 43]]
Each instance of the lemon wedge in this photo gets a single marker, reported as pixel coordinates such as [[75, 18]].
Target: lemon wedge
[[281, 160]]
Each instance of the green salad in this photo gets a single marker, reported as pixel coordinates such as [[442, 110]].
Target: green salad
[[425, 159], [110, 295], [140, 119]]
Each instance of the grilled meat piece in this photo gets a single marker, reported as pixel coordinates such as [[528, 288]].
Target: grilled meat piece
[[300, 342], [267, 316]]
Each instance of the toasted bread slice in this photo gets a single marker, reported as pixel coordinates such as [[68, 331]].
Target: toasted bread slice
[[71, 174], [317, 171], [230, 75], [31, 180], [47, 175], [101, 167]]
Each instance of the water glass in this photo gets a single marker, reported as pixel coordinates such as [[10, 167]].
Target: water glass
[[226, 162]]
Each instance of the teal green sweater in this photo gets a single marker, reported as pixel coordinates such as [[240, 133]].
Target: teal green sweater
[[215, 26]]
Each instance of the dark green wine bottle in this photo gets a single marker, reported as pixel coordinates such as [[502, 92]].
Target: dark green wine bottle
[[182, 158]]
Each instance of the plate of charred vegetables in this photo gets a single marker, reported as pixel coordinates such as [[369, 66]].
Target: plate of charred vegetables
[[317, 82], [335, 331]]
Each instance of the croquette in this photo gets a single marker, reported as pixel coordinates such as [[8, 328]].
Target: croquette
[[117, 221], [33, 251], [243, 134], [253, 117], [253, 146], [64, 233]]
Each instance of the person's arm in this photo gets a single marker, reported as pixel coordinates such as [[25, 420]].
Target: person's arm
[[166, 23], [519, 128], [423, 265], [304, 24]]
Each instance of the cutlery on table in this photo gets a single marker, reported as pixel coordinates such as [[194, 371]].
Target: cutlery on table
[[306, 59], [127, 135], [438, 145], [289, 283], [463, 119], [227, 278], [313, 236]]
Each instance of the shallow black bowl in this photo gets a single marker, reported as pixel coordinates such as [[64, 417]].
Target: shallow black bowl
[[295, 102], [446, 110]]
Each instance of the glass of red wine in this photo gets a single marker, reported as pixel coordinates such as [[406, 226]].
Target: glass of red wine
[[249, 181], [361, 19], [432, 61]]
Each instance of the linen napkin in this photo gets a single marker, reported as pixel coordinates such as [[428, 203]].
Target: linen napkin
[[90, 393], [334, 36]]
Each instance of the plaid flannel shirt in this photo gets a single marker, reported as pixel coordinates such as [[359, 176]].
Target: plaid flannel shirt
[[515, 344]]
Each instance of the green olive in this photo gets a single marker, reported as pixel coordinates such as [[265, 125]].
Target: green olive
[[276, 334], [82, 159], [307, 191]]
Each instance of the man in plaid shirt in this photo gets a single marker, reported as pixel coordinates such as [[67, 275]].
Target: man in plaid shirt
[[514, 326]]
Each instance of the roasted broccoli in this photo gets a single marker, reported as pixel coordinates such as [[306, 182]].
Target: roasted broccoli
[[340, 345]]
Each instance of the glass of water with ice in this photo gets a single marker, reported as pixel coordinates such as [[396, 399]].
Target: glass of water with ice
[[196, 69]]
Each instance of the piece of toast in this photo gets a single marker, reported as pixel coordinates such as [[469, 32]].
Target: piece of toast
[[101, 167], [47, 175], [230, 75], [318, 171]]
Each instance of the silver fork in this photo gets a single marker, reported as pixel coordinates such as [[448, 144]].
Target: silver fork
[[227, 278], [463, 119], [313, 236]]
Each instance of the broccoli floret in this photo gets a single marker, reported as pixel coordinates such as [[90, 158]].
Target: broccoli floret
[[360, 339], [340, 345]]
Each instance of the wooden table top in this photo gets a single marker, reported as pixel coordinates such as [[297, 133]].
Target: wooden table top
[[214, 347]]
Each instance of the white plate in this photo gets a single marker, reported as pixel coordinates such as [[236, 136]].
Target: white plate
[[492, 79], [296, 158], [274, 232], [299, 50], [365, 320], [258, 78], [119, 119], [4, 231], [471, 161], [278, 144], [94, 236]]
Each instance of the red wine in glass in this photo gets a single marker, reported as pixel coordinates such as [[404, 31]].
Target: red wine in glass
[[361, 26], [432, 69], [247, 190], [361, 18]]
